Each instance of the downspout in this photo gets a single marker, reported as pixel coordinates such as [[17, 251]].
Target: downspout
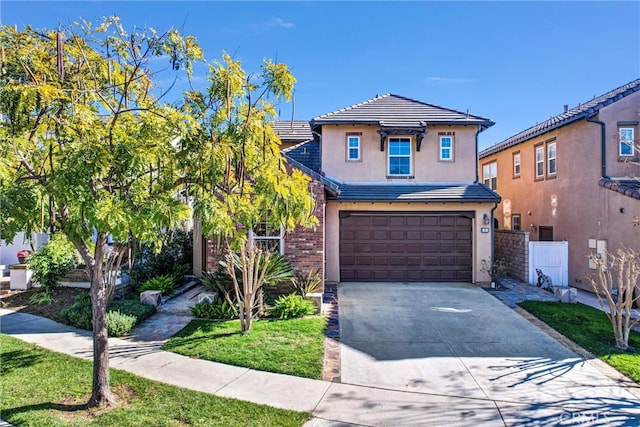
[[603, 146], [478, 157]]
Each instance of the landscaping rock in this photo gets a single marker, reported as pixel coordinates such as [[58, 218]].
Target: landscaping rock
[[209, 297], [153, 298], [565, 293]]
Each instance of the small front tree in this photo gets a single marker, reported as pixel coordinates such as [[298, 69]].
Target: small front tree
[[618, 289], [88, 150]]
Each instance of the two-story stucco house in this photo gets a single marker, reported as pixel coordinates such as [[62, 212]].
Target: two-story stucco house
[[397, 193], [574, 177]]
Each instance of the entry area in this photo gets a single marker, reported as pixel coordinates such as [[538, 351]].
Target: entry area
[[406, 247]]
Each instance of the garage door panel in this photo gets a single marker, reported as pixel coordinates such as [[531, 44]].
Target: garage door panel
[[405, 247]]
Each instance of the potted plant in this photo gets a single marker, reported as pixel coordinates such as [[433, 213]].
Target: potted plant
[[23, 255]]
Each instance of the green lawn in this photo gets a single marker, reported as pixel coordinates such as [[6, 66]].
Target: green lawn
[[590, 329], [294, 346], [43, 388]]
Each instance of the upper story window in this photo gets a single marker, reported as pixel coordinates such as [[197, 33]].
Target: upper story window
[[626, 141], [353, 147], [551, 158], [446, 148], [540, 162], [490, 175], [516, 164], [516, 222], [399, 156]]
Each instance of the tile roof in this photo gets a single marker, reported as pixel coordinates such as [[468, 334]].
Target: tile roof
[[398, 111], [628, 187], [465, 193], [291, 131], [306, 153], [581, 111]]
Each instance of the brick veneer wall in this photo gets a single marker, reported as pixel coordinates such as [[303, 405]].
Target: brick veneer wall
[[513, 246], [303, 247]]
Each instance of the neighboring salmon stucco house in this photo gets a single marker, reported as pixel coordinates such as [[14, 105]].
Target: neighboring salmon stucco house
[[397, 194], [574, 178]]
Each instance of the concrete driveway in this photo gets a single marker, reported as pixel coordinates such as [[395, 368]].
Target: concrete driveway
[[454, 339]]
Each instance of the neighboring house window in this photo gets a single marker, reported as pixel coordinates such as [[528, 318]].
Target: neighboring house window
[[626, 141], [268, 237], [540, 162], [353, 148], [446, 148], [516, 164], [399, 156], [490, 175], [516, 222], [551, 158]]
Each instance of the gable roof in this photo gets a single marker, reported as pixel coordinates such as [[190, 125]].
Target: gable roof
[[581, 111], [292, 131], [306, 153], [398, 111]]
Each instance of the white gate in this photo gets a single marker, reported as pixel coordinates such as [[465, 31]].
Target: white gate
[[552, 258]]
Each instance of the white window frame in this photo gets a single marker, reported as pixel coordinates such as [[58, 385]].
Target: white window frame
[[517, 164], [552, 171], [519, 221], [624, 141], [490, 175], [449, 148], [356, 139], [539, 161], [409, 156], [254, 238]]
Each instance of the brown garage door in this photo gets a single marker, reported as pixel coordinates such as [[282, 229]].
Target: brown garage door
[[408, 247]]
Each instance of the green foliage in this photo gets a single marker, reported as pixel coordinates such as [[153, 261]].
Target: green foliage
[[309, 284], [129, 314], [219, 310], [119, 324], [174, 258], [42, 297], [293, 347], [82, 298], [50, 263], [34, 378], [163, 284], [590, 329], [292, 305], [278, 270]]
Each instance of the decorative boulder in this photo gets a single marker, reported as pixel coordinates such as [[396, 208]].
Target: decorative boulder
[[209, 297], [153, 298], [565, 293]]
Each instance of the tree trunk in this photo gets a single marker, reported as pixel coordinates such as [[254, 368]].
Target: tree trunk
[[101, 390]]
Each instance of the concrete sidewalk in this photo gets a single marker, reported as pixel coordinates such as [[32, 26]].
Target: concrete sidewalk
[[332, 404]]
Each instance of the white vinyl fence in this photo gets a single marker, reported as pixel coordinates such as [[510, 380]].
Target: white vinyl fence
[[552, 258]]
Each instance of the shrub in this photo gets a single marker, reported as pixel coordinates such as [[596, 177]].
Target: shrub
[[50, 263], [220, 310], [119, 324], [174, 258], [79, 315], [42, 297], [309, 284], [162, 283], [292, 305], [82, 297]]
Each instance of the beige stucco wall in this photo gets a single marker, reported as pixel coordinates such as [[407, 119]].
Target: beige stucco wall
[[373, 164], [573, 203], [481, 241]]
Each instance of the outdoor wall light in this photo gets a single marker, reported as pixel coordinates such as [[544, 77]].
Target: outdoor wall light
[[533, 227], [485, 219]]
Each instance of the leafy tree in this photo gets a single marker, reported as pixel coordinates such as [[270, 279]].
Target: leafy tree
[[87, 150]]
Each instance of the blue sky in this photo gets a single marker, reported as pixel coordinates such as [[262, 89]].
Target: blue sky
[[516, 63]]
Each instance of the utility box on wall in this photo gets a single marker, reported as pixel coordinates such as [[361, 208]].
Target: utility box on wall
[[600, 248]]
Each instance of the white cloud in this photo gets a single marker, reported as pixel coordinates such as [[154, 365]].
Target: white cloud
[[273, 24], [279, 22]]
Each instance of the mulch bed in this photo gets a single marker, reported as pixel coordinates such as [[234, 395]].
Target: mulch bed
[[19, 301]]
